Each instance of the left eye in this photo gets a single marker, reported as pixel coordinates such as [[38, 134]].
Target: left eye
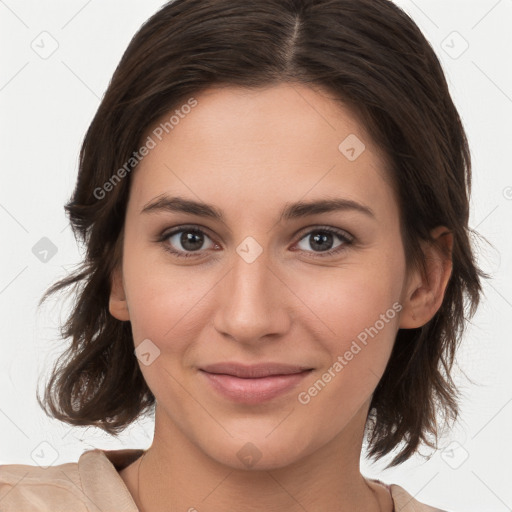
[[321, 237], [193, 239]]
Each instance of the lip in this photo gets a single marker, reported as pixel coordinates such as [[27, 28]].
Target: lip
[[255, 370], [253, 384]]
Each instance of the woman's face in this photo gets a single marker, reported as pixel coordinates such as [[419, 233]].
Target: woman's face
[[253, 286]]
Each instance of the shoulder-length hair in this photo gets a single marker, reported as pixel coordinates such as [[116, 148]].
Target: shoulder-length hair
[[369, 55]]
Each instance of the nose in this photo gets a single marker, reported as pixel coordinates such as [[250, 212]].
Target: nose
[[252, 302]]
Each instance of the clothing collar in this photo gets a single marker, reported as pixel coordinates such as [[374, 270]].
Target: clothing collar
[[101, 482]]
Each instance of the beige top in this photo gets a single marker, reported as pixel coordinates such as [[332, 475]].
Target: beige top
[[93, 484]]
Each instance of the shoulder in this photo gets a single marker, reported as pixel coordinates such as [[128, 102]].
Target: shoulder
[[90, 485], [404, 502], [23, 486]]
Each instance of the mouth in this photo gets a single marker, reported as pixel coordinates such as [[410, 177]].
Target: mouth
[[253, 384]]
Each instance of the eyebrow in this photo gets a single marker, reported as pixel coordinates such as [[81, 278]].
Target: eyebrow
[[290, 211]]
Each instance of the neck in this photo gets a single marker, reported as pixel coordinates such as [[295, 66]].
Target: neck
[[175, 474]]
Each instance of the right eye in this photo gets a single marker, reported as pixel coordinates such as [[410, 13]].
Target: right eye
[[191, 240]]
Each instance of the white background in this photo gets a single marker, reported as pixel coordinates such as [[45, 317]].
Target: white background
[[46, 107]]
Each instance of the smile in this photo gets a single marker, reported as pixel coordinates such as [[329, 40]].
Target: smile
[[253, 390]]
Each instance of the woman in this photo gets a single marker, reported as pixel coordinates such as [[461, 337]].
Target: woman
[[233, 142]]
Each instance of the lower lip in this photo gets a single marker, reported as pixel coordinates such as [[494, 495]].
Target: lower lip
[[254, 391]]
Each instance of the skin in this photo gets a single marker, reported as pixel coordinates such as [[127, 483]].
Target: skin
[[248, 153]]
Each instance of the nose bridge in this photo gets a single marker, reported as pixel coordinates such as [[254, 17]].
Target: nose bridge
[[250, 274], [250, 303], [250, 280]]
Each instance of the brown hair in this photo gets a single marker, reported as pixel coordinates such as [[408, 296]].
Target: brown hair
[[372, 57]]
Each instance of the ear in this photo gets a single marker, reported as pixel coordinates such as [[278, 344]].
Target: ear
[[118, 306], [424, 295]]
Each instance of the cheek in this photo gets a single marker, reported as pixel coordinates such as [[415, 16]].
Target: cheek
[[165, 308], [165, 301], [346, 301], [355, 322], [362, 321]]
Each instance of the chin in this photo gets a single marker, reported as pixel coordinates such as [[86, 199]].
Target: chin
[[259, 452]]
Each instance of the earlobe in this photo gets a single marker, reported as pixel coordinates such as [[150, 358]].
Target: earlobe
[[118, 305], [425, 293]]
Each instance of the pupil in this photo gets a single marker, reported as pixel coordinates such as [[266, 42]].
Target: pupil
[[318, 239], [191, 241]]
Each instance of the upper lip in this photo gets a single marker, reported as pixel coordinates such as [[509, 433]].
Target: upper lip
[[254, 371]]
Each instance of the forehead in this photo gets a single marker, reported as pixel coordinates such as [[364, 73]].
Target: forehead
[[241, 146]]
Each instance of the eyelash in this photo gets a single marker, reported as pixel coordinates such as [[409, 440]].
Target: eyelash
[[345, 237]]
